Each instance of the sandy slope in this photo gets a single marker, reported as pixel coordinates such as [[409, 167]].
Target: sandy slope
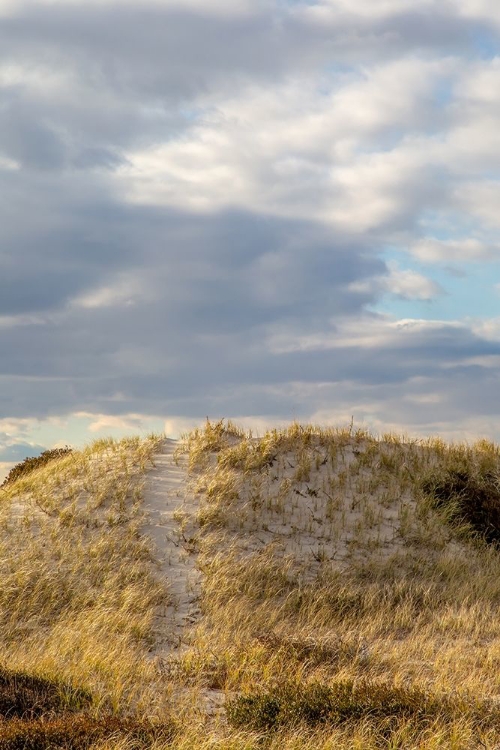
[[170, 510]]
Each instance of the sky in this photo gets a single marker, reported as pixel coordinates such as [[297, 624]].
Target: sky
[[265, 210]]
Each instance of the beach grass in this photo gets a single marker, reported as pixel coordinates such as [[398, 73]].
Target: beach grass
[[349, 599]]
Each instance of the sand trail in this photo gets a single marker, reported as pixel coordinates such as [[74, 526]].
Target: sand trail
[[170, 511]]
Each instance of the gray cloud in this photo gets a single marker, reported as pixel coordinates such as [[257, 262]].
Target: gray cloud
[[19, 451], [114, 307]]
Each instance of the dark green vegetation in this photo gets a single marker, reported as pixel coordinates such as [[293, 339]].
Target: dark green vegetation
[[26, 696], [289, 705], [37, 714], [470, 498], [30, 464]]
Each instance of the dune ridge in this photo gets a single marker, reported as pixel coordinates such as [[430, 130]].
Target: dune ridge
[[308, 588]]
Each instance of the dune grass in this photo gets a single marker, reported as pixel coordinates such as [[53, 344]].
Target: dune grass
[[351, 587], [335, 562], [78, 590]]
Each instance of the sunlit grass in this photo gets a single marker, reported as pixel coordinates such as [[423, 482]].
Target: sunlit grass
[[78, 587], [348, 598], [395, 593]]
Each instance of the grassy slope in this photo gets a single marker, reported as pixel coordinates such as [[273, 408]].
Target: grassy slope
[[334, 591], [78, 589], [390, 594]]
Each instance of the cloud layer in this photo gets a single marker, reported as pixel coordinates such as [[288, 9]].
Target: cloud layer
[[257, 210]]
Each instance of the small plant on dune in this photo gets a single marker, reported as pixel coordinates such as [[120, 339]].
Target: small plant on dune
[[40, 714], [215, 436], [30, 464]]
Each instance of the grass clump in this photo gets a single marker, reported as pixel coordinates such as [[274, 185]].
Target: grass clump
[[37, 714], [470, 498], [25, 467]]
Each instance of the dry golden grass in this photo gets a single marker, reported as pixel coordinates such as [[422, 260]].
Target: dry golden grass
[[78, 587], [342, 606], [325, 562]]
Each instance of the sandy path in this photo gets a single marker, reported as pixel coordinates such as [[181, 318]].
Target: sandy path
[[170, 512]]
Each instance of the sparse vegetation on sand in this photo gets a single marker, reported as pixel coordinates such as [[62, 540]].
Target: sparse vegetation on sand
[[78, 593], [350, 596]]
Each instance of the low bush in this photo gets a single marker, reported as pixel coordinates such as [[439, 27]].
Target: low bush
[[30, 464], [25, 696], [315, 704], [472, 499]]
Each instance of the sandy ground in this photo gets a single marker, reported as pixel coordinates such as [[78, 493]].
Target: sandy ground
[[170, 510], [310, 510]]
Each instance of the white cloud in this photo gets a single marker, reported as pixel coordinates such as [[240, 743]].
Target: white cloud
[[16, 428], [215, 7], [432, 250], [366, 332], [480, 199], [404, 283], [108, 422], [488, 10], [488, 329], [329, 11], [124, 292], [479, 83], [9, 165], [294, 150], [410, 285], [15, 321]]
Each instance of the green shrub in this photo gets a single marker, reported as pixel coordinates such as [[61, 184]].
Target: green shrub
[[472, 499], [30, 464], [288, 705]]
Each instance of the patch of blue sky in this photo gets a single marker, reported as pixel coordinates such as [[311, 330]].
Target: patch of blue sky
[[444, 90], [469, 290], [333, 76], [80, 430], [485, 42], [191, 114], [453, 225]]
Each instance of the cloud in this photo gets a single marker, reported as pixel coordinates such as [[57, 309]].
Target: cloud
[[403, 283], [432, 250], [130, 423], [197, 200], [296, 151], [19, 451]]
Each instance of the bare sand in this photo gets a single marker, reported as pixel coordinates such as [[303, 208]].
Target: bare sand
[[170, 511]]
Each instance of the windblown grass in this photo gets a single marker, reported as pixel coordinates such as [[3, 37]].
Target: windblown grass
[[346, 604], [350, 597], [78, 587]]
